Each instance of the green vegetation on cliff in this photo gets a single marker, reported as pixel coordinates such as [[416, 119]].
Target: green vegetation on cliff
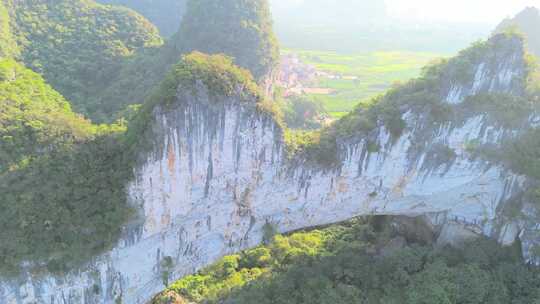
[[195, 72], [241, 29], [524, 154], [302, 113], [533, 76], [361, 262], [321, 147], [514, 112], [216, 72], [62, 179], [425, 95]]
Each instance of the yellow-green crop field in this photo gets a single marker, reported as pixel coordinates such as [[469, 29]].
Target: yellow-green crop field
[[373, 74]]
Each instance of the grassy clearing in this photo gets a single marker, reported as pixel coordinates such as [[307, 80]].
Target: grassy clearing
[[363, 75]]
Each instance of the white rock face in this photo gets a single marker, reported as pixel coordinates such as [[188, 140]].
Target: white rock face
[[217, 173], [500, 70]]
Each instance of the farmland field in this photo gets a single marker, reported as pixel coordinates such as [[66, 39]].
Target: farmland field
[[360, 76]]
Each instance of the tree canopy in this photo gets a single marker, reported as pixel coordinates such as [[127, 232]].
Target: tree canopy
[[77, 45], [8, 46], [34, 118], [104, 58], [359, 262], [62, 178]]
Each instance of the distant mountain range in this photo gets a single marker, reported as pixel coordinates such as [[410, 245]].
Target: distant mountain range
[[528, 23], [350, 25], [361, 26], [344, 25]]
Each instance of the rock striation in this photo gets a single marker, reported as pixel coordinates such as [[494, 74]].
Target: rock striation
[[217, 174]]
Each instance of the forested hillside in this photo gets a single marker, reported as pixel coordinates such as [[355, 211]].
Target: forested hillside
[[192, 161], [103, 58], [8, 46], [362, 261], [165, 14], [35, 118], [61, 177], [77, 45], [240, 29]]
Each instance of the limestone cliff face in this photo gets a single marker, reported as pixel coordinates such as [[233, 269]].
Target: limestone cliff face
[[217, 173], [499, 70]]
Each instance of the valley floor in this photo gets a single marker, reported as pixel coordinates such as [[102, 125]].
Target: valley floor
[[340, 80]]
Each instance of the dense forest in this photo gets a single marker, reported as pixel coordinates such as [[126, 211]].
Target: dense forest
[[249, 40], [81, 81], [104, 58], [361, 261], [8, 46], [77, 45], [62, 178]]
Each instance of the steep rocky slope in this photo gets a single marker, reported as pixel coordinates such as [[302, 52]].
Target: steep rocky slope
[[528, 23], [240, 29], [214, 170]]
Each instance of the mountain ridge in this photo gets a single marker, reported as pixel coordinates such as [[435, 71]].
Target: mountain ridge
[[526, 22], [201, 187], [105, 214]]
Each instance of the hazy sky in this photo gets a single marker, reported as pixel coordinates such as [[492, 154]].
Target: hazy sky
[[479, 11]]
